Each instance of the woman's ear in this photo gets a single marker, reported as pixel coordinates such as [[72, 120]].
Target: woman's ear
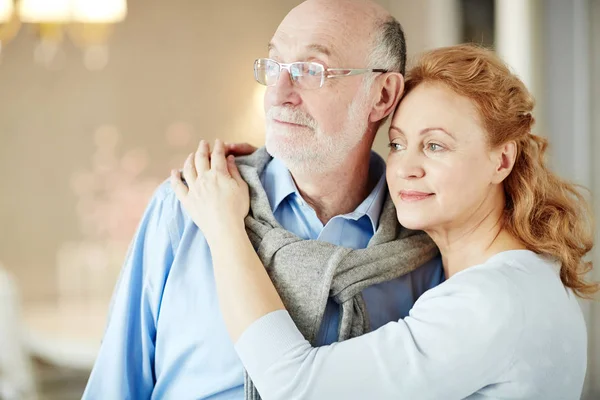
[[505, 156], [389, 95]]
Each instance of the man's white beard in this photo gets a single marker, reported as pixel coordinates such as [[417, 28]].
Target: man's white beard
[[316, 152]]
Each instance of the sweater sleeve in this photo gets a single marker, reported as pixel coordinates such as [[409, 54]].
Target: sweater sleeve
[[458, 338]]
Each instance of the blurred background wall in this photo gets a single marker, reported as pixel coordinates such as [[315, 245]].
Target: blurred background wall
[[82, 145]]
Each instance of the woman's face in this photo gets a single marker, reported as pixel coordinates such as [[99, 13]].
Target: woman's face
[[441, 172]]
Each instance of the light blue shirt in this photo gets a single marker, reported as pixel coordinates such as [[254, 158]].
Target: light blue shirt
[[165, 336]]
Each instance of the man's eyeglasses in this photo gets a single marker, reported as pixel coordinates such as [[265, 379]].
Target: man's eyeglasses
[[304, 74]]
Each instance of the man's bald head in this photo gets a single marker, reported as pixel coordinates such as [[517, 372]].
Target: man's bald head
[[359, 33], [360, 16]]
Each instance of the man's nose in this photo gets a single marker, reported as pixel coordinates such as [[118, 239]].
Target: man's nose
[[284, 92]]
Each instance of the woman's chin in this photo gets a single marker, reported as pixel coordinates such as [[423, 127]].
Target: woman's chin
[[410, 222]]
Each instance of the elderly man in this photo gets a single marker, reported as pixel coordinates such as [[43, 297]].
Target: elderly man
[[334, 74]]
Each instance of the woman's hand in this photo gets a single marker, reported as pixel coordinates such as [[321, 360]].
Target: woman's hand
[[216, 197]]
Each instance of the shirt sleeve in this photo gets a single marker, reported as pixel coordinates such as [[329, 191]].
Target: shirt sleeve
[[458, 338], [124, 367]]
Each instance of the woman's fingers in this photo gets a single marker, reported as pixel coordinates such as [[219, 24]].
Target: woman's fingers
[[217, 158], [204, 160], [180, 189], [189, 170], [233, 169], [202, 157]]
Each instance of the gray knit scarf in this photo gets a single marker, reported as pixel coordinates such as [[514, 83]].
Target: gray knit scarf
[[307, 272]]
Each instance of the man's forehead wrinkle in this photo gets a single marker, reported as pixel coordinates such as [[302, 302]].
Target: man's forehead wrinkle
[[299, 41], [343, 44]]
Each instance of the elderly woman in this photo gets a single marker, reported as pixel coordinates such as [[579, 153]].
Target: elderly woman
[[465, 168]]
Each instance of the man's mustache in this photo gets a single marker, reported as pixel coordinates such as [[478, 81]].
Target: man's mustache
[[291, 115]]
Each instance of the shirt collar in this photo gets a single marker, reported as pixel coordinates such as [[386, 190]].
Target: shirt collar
[[373, 204], [279, 184]]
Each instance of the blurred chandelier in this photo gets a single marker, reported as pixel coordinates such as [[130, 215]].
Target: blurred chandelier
[[88, 23]]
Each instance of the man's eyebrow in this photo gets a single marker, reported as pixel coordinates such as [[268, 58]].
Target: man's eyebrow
[[317, 48]]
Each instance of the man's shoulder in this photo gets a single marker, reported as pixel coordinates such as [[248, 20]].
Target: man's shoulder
[[157, 249], [164, 193], [165, 223], [164, 201], [175, 217]]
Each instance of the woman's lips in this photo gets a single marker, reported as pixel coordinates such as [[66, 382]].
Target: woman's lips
[[412, 195]]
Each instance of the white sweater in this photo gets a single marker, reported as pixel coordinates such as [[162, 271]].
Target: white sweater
[[505, 329]]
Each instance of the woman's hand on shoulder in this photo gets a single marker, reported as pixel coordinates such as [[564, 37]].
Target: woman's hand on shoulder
[[212, 191]]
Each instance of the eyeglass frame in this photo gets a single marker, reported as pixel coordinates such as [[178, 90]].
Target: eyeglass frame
[[287, 66]]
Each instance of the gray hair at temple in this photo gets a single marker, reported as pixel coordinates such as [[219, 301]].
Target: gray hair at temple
[[388, 52], [389, 46]]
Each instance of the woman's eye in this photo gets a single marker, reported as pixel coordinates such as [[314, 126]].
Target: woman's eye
[[395, 146], [434, 147]]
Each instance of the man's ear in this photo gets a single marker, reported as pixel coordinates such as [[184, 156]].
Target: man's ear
[[505, 157], [390, 92]]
